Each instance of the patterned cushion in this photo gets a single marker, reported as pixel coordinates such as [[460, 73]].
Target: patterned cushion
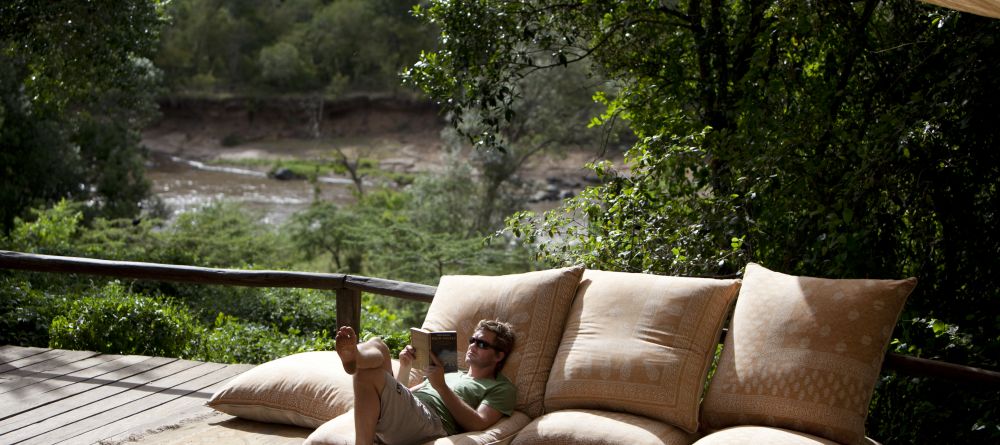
[[587, 427], [305, 389], [804, 353], [535, 303], [340, 431], [640, 344]]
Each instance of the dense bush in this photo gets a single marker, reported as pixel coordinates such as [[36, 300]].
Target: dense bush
[[115, 320], [233, 341], [26, 312], [76, 87], [835, 139], [290, 46]]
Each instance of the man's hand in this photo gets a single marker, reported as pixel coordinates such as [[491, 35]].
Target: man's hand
[[407, 355], [435, 373]]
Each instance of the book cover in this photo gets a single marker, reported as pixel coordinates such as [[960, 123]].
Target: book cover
[[444, 344]]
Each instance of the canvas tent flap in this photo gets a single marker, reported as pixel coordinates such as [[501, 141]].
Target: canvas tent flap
[[988, 8]]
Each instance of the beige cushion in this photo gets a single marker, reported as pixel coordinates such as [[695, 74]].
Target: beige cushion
[[535, 303], [305, 389], [640, 344], [340, 431], [500, 433], [588, 427], [754, 435], [804, 353]]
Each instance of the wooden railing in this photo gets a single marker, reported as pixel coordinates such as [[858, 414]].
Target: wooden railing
[[348, 290]]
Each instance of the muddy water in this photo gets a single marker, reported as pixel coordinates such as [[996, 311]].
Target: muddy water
[[185, 185]]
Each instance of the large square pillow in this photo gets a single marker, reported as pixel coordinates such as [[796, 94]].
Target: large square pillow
[[305, 389], [640, 344], [535, 303], [804, 353]]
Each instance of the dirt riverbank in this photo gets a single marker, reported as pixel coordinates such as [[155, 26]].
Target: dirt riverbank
[[402, 135]]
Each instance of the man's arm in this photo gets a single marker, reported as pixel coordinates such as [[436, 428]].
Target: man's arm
[[470, 419]]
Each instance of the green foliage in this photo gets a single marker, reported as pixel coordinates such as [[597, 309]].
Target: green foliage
[[233, 341], [51, 232], [844, 140], [231, 324], [115, 320], [76, 85], [220, 235], [378, 321], [290, 46], [303, 310], [399, 235], [26, 312], [641, 222], [282, 67]]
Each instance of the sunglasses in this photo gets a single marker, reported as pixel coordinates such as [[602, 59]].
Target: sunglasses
[[480, 343]]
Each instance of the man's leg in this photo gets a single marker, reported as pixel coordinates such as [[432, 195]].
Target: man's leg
[[368, 361]]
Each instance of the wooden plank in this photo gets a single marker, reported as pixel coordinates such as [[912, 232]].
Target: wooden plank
[[15, 365], [48, 391], [37, 372], [9, 353], [119, 381], [168, 407], [178, 412], [82, 418]]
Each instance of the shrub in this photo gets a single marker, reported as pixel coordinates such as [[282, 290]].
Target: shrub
[[114, 320], [377, 321], [26, 312], [51, 232], [221, 234], [235, 341]]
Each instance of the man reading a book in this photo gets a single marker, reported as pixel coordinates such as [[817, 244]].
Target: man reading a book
[[442, 404]]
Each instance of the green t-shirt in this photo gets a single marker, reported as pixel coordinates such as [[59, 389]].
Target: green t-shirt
[[499, 394]]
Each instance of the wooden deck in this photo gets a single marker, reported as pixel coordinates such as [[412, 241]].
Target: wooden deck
[[51, 396]]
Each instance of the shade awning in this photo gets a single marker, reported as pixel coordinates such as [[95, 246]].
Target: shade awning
[[988, 8]]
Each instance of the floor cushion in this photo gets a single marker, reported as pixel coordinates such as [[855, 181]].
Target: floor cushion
[[305, 389]]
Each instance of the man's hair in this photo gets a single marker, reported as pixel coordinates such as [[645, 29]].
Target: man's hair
[[504, 333]]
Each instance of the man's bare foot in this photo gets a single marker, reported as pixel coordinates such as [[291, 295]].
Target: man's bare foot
[[347, 348]]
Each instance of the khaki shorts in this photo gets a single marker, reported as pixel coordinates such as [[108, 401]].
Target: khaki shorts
[[403, 419]]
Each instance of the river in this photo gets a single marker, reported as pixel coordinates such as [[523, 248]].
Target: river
[[185, 184]]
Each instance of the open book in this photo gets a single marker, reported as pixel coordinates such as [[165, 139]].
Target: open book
[[444, 344]]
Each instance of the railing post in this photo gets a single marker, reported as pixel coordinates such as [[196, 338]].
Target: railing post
[[349, 308]]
